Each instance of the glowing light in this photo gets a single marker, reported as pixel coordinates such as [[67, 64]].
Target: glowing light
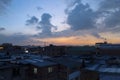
[[1, 48]]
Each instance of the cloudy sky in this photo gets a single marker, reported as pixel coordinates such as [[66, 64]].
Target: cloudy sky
[[60, 22]]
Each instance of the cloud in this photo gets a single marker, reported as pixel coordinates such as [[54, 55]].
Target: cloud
[[97, 35], [39, 8], [4, 5], [45, 24], [15, 38], [113, 20], [83, 19], [2, 29], [110, 10], [80, 16], [20, 39], [109, 4], [32, 21]]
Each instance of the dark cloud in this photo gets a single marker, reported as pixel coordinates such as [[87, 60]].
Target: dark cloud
[[97, 35], [4, 5], [32, 21], [109, 4], [39, 8], [80, 16], [83, 20], [113, 20], [15, 38], [45, 25], [105, 19], [2, 29], [110, 10], [19, 39]]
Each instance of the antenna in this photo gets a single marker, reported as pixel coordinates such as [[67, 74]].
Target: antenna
[[44, 48], [105, 40]]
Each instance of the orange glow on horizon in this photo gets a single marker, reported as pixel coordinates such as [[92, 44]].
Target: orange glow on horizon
[[80, 40], [71, 40]]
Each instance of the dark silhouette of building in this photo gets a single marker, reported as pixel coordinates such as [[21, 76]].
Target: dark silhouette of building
[[53, 51], [107, 49]]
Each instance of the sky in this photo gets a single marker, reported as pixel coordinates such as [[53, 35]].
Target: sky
[[59, 22]]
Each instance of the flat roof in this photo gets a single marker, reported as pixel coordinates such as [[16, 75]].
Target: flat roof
[[66, 62], [38, 62]]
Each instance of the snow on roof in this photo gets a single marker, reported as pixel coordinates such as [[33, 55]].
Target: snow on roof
[[109, 76], [38, 62]]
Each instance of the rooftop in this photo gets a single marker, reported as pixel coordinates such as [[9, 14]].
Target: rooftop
[[66, 61]]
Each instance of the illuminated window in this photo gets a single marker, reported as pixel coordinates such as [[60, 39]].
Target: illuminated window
[[35, 70], [1, 48], [26, 51], [50, 69]]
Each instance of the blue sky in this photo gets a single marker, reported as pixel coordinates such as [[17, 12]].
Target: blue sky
[[20, 10], [59, 21]]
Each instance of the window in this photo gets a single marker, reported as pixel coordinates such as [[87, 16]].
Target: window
[[50, 69], [16, 72], [35, 70], [1, 48]]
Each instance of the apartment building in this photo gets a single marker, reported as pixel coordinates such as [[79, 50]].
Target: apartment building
[[10, 71]]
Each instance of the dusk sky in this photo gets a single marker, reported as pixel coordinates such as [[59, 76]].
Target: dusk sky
[[59, 22]]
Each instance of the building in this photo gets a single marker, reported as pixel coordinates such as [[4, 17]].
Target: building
[[80, 50], [9, 71], [39, 68], [42, 70], [9, 49], [69, 68], [108, 49], [34, 50], [59, 66], [107, 67], [53, 51]]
